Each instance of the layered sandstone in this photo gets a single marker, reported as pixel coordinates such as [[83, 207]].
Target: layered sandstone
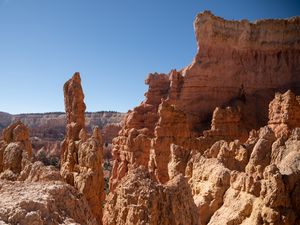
[[47, 130], [172, 128], [81, 155], [227, 125], [240, 60], [236, 71]]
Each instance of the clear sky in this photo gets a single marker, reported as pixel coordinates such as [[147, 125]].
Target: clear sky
[[113, 44]]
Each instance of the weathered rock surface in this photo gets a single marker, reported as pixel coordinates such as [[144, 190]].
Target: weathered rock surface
[[237, 70], [43, 203], [239, 60], [284, 113], [249, 183], [255, 181], [81, 156], [232, 176], [132, 146], [15, 151], [32, 193], [227, 125], [140, 200]]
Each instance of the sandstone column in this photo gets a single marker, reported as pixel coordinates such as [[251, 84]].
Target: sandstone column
[[81, 154]]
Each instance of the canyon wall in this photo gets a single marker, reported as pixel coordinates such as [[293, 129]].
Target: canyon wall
[[239, 65], [212, 122]]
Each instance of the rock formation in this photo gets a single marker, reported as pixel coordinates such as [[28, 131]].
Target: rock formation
[[41, 203], [239, 60], [236, 170], [47, 130], [51, 126], [226, 125], [284, 112], [200, 149], [132, 146], [236, 71], [250, 183], [15, 151], [140, 200], [81, 155], [32, 193]]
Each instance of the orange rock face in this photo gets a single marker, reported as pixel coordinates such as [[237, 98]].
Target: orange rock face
[[234, 183], [234, 175], [284, 113], [238, 68], [227, 125], [81, 156], [15, 151], [132, 146], [239, 60], [31, 193], [140, 200]]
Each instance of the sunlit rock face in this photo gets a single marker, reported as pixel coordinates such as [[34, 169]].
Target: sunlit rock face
[[239, 60], [284, 113], [210, 122], [15, 151], [32, 193], [140, 200], [81, 156], [51, 202], [237, 70]]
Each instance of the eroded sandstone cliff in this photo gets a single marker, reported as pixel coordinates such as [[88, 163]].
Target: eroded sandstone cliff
[[238, 68], [238, 172]]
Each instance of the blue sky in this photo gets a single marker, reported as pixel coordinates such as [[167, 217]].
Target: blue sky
[[113, 44]]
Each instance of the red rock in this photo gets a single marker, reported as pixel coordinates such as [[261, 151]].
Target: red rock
[[81, 156], [284, 113], [234, 66]]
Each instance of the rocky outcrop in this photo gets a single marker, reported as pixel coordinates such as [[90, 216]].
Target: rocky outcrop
[[171, 128], [43, 203], [15, 151], [81, 156], [284, 113], [235, 73], [240, 60], [249, 183], [51, 126], [233, 182], [132, 146], [227, 125], [230, 177], [140, 200], [110, 131], [32, 193]]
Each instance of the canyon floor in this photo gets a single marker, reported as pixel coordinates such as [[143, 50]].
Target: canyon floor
[[217, 142]]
